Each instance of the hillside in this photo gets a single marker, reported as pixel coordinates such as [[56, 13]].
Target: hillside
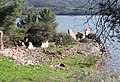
[[64, 6]]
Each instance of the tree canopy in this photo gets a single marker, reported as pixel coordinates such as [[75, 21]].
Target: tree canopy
[[37, 27], [43, 28], [8, 15]]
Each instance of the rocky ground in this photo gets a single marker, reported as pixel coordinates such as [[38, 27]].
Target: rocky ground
[[25, 56], [87, 49]]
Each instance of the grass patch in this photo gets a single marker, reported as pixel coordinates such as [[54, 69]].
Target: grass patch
[[76, 64], [61, 49], [10, 72]]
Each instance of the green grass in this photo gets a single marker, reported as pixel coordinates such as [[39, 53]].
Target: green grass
[[10, 72], [65, 47]]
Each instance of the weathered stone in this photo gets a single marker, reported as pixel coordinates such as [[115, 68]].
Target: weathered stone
[[83, 35], [30, 46], [59, 67], [88, 31], [45, 44], [72, 34], [90, 49], [23, 44], [1, 40], [29, 62], [86, 49], [21, 56]]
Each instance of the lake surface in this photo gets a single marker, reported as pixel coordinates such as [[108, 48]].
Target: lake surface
[[77, 23], [73, 22]]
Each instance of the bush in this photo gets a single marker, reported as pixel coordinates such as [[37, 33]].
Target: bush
[[91, 59], [91, 36], [63, 39], [85, 40], [7, 42], [79, 35], [94, 37]]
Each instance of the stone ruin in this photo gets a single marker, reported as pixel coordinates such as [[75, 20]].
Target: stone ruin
[[72, 34], [87, 31], [1, 40], [30, 46], [83, 32], [45, 44]]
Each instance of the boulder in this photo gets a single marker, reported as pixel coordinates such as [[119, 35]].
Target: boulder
[[60, 66]]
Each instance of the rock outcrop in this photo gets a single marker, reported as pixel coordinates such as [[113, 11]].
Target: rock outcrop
[[25, 56]]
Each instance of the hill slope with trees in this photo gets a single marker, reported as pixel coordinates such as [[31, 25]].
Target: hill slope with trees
[[64, 6]]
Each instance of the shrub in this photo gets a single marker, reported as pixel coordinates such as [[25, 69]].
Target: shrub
[[94, 37], [79, 35], [85, 40], [63, 39], [91, 59], [7, 42], [91, 36]]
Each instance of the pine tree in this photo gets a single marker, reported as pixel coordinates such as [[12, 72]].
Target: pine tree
[[48, 17], [43, 30], [4, 11], [2, 4], [16, 9], [31, 17], [11, 28], [9, 13]]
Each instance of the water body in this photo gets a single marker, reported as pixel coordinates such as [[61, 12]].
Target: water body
[[78, 24]]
